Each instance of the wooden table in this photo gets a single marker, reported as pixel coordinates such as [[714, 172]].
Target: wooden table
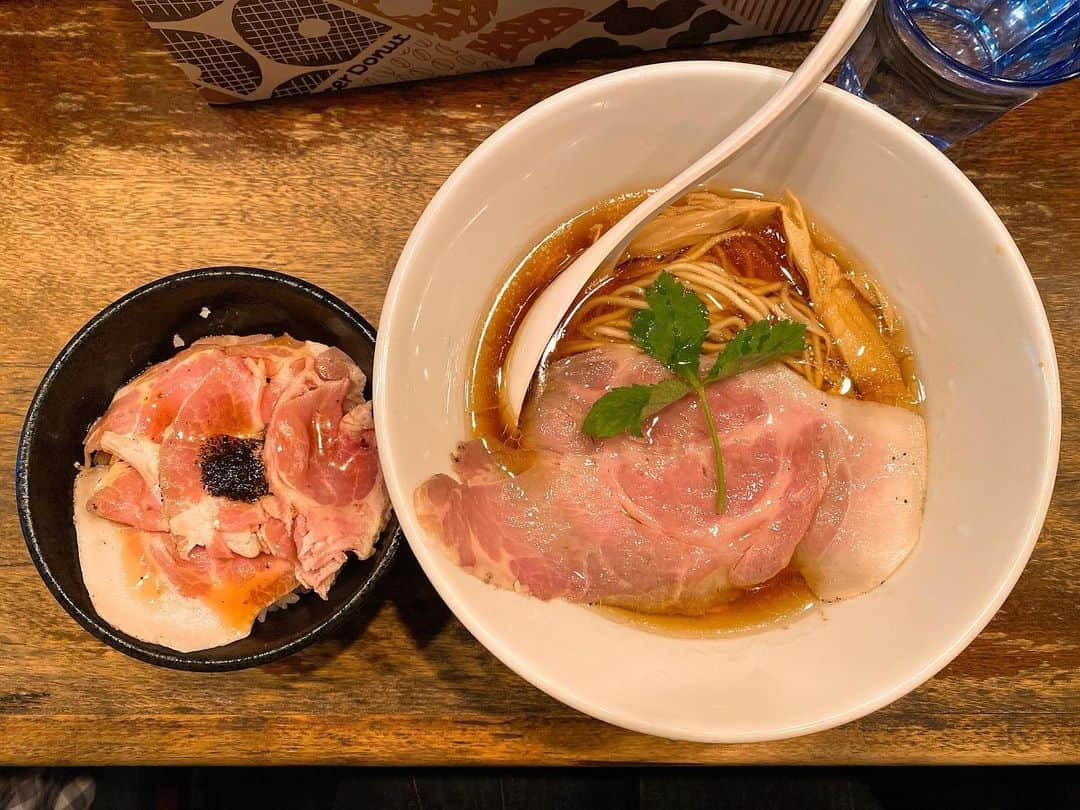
[[113, 172]]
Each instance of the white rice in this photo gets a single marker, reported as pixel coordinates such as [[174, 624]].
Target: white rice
[[291, 598]]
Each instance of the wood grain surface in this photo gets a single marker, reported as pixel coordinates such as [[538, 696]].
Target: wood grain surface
[[113, 172]]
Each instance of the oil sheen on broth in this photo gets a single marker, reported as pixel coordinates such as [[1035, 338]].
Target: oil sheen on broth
[[758, 252]]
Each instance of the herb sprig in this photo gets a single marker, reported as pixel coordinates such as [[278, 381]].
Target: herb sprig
[[672, 330]]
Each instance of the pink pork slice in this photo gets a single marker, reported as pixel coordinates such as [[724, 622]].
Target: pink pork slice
[[322, 460], [226, 403], [834, 486], [326, 494], [121, 495]]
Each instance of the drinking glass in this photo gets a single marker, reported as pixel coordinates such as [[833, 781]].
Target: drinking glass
[[948, 68]]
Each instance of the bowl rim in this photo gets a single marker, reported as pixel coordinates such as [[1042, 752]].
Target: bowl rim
[[980, 208], [145, 651]]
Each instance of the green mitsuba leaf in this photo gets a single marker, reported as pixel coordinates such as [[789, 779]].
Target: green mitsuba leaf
[[617, 412], [760, 343], [663, 394], [673, 330], [623, 410], [674, 326]]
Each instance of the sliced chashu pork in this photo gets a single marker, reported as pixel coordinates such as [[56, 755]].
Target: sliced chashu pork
[[139, 584], [227, 403], [322, 462], [833, 485], [133, 426], [326, 496], [122, 495]]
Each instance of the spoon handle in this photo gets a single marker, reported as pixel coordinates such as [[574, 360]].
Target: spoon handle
[[535, 332]]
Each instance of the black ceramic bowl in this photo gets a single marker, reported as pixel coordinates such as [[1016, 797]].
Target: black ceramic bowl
[[116, 345]]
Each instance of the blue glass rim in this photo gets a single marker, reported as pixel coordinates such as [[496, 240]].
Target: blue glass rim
[[966, 70]]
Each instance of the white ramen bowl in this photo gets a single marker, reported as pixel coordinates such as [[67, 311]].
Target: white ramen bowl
[[976, 323]]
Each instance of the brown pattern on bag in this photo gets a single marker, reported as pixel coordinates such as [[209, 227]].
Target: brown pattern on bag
[[219, 63], [509, 37], [623, 19], [308, 33], [448, 19], [301, 85], [174, 10], [588, 48], [704, 27], [774, 17], [239, 48]]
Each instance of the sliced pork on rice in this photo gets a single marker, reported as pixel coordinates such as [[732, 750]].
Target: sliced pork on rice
[[241, 470]]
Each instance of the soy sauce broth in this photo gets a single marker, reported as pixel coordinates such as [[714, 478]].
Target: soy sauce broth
[[779, 601], [553, 254]]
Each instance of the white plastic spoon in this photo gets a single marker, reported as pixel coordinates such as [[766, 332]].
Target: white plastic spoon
[[531, 339]]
